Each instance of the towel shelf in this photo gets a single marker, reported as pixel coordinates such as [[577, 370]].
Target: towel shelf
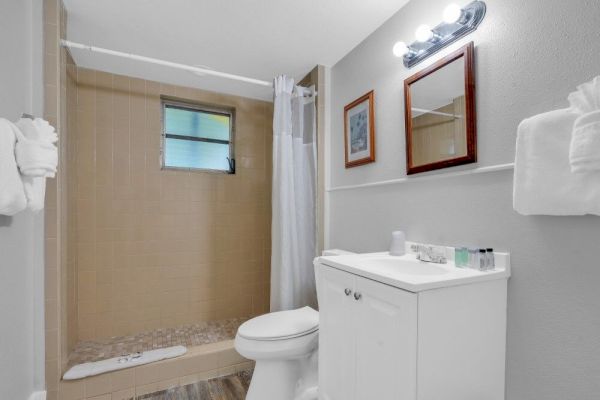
[[481, 170]]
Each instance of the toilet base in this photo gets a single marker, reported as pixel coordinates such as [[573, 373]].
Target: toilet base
[[294, 379]]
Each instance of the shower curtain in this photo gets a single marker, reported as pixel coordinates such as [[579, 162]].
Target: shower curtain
[[293, 229]]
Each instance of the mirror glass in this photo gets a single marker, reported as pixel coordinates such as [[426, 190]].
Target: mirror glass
[[440, 120]]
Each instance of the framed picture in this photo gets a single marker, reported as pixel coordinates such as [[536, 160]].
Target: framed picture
[[359, 131]]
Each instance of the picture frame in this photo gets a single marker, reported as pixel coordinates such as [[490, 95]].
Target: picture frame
[[359, 131]]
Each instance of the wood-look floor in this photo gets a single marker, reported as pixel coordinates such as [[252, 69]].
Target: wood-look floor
[[231, 387]]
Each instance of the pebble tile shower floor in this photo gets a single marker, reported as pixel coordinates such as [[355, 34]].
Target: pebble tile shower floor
[[186, 335]]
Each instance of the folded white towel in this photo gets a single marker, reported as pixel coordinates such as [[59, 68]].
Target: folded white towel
[[37, 158], [585, 142], [12, 193], [543, 182]]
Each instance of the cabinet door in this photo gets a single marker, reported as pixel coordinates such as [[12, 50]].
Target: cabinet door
[[386, 342], [336, 335]]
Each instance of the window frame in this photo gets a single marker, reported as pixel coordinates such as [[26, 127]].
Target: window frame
[[197, 107]]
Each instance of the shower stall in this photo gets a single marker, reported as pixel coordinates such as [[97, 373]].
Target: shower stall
[[159, 257], [139, 255]]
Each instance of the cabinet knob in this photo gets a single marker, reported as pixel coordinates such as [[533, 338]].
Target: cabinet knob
[[348, 292], [357, 296]]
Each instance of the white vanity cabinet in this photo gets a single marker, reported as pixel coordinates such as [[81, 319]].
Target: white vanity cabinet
[[378, 341], [368, 337]]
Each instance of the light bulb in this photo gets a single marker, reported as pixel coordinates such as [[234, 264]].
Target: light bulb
[[452, 13], [423, 33], [400, 49]]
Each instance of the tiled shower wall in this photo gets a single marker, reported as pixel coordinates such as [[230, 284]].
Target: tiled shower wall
[[70, 101], [160, 248], [59, 262]]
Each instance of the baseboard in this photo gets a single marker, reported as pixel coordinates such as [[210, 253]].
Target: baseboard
[[41, 395]]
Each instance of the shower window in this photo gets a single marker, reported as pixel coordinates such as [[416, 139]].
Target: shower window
[[197, 137]]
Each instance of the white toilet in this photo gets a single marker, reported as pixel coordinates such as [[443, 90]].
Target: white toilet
[[284, 345]]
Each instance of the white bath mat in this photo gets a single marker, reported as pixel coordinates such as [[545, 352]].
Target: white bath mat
[[131, 360]]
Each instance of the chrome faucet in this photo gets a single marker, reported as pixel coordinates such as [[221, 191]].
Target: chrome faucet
[[428, 253]]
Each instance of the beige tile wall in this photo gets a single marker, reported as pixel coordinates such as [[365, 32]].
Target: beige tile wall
[[158, 248], [70, 104], [59, 267]]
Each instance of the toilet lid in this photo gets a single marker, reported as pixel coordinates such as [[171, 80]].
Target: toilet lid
[[281, 325]]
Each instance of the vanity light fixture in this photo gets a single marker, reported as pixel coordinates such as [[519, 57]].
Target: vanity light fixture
[[423, 33], [400, 49], [452, 13], [457, 22]]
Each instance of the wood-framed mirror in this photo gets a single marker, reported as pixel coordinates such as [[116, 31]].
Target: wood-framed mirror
[[439, 109]]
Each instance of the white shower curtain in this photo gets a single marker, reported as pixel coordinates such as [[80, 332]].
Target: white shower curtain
[[294, 198]]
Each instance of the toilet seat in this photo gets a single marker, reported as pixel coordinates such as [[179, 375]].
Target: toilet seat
[[281, 325]]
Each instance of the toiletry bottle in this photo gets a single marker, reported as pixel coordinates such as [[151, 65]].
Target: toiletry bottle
[[473, 258], [490, 258], [457, 257], [461, 257], [482, 260]]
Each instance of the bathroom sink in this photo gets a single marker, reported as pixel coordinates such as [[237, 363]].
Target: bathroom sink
[[399, 265], [408, 273]]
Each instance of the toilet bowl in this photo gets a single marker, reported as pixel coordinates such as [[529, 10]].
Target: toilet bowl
[[284, 345]]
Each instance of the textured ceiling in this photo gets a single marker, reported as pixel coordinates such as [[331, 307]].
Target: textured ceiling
[[254, 38]]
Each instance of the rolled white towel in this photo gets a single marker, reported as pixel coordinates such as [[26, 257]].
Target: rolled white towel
[[37, 129], [12, 193], [37, 158], [45, 130], [35, 191], [584, 153]]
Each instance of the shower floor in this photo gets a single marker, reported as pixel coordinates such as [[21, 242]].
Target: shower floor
[[186, 335]]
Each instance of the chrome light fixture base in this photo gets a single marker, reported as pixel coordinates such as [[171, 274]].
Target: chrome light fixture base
[[445, 34]]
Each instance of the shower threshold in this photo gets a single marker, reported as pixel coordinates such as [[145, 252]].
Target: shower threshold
[[93, 368], [210, 354]]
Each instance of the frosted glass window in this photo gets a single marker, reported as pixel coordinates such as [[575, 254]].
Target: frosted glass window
[[198, 155], [197, 138]]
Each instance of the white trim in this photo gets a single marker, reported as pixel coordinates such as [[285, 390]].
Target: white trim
[[326, 99], [481, 170], [41, 395]]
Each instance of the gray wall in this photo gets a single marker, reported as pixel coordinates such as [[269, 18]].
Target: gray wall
[[529, 56], [21, 264]]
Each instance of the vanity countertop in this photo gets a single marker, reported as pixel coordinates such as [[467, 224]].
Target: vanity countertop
[[408, 273]]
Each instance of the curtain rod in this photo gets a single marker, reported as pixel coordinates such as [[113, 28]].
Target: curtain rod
[[74, 45]]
